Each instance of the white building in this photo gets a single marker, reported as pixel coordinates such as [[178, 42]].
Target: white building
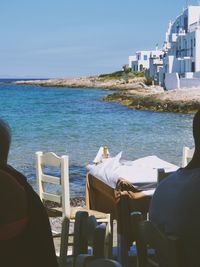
[[181, 63], [140, 61], [155, 65], [148, 61]]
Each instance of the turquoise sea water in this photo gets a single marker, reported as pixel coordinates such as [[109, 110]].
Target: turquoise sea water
[[76, 122]]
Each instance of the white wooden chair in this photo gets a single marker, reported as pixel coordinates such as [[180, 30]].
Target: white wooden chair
[[62, 198], [187, 155], [60, 195]]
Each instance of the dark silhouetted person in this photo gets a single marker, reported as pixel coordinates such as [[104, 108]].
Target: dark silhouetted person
[[175, 206], [25, 234]]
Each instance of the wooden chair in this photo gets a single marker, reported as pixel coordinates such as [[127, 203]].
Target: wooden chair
[[88, 234], [100, 263], [61, 196], [147, 235], [187, 155]]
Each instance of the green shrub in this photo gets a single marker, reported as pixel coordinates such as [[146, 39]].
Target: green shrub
[[149, 81], [121, 75]]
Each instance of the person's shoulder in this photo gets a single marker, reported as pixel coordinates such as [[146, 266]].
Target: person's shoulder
[[170, 178], [13, 196], [178, 181], [176, 176]]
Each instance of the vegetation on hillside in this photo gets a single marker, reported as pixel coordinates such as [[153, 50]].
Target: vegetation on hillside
[[118, 75]]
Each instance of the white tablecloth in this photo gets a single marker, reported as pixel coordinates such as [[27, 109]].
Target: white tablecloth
[[143, 170]]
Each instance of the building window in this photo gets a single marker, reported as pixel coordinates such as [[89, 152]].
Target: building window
[[194, 42], [185, 48], [145, 57], [191, 47], [186, 24], [176, 52], [193, 67]]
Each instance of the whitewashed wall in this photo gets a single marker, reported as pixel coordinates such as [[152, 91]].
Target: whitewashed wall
[[130, 60], [197, 74], [197, 50], [194, 12], [189, 83], [172, 81]]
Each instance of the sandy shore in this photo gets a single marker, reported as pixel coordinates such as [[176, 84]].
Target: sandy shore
[[132, 93]]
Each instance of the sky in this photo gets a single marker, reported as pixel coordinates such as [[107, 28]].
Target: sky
[[70, 38]]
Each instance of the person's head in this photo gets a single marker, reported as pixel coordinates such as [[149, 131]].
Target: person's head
[[5, 140]]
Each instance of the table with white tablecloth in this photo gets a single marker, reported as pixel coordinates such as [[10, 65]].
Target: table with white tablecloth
[[120, 186]]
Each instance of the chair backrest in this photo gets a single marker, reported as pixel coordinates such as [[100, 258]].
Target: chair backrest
[[187, 155], [62, 195], [167, 248], [88, 233]]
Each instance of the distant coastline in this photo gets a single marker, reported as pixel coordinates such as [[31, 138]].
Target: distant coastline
[[87, 82], [133, 93]]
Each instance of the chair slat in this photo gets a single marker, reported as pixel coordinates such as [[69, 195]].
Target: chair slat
[[51, 197], [50, 179]]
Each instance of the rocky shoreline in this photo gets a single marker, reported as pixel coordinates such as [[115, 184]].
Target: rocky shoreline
[[133, 93], [88, 82], [181, 101]]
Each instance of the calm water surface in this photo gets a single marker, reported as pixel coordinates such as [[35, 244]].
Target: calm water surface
[[77, 123]]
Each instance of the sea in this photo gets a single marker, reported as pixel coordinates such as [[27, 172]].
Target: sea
[[76, 122]]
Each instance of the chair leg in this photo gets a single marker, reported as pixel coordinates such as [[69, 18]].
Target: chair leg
[[64, 242], [109, 238]]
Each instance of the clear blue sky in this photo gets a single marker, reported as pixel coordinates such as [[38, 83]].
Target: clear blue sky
[[67, 38]]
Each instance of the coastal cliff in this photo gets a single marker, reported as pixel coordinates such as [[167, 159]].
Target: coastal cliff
[[132, 92]]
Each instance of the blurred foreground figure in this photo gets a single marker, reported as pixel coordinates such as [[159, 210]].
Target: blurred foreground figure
[[175, 206], [25, 234]]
